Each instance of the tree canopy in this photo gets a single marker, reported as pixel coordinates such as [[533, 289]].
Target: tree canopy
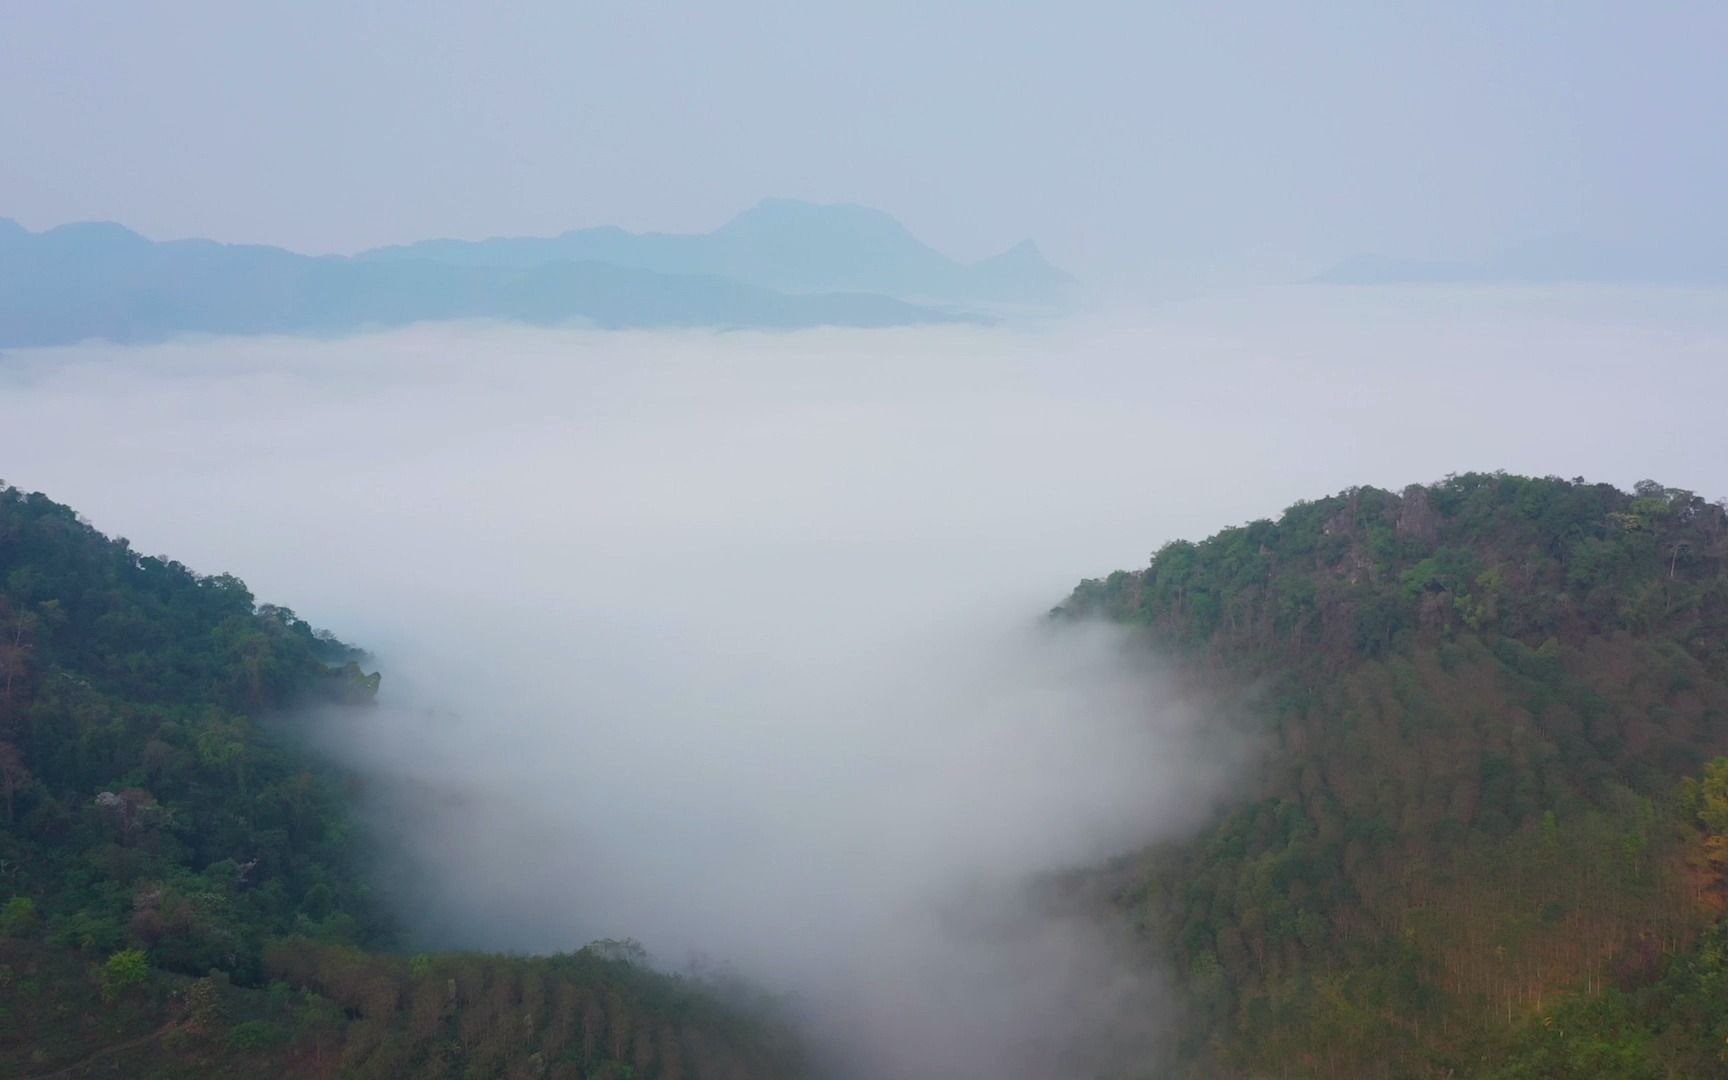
[[181, 882], [1478, 700]]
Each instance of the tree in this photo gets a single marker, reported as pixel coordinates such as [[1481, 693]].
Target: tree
[[203, 1004], [1710, 800], [123, 970], [15, 633], [19, 918], [14, 777]]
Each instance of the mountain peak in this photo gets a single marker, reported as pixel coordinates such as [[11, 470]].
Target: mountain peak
[[1025, 254], [97, 234], [1023, 267], [798, 244]]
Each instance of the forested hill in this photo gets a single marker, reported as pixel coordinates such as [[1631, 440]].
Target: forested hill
[[180, 890], [1486, 836]]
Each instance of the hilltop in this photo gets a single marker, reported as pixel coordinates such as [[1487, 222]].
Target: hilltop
[[1486, 837], [180, 880]]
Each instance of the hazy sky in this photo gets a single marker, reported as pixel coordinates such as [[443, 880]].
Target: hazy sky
[[1129, 138]]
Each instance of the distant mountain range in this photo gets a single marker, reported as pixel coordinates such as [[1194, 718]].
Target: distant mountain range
[[781, 265], [1562, 260], [780, 244]]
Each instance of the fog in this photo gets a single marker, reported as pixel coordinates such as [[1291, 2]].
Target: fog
[[731, 643]]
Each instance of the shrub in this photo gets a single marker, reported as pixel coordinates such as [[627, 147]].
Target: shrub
[[124, 969], [19, 918], [203, 1004], [256, 1035], [87, 930]]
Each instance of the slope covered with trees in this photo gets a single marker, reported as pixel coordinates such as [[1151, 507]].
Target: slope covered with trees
[[180, 887], [1476, 839]]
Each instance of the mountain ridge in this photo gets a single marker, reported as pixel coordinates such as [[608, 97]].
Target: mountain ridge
[[101, 280], [783, 244]]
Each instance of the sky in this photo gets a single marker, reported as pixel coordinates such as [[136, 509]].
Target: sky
[[1134, 141]]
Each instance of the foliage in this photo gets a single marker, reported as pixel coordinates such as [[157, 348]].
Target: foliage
[[19, 918], [123, 970], [156, 808], [1477, 698], [1674, 1026], [256, 1035], [203, 1004], [582, 1014], [151, 800]]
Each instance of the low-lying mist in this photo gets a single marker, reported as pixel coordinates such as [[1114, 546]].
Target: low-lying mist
[[731, 643]]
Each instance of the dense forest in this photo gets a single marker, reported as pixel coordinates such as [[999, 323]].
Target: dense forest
[[180, 886], [1486, 835]]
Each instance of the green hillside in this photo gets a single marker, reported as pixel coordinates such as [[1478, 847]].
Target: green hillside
[[179, 883], [1476, 842]]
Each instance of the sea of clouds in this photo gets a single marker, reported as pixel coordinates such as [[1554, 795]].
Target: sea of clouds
[[731, 642]]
